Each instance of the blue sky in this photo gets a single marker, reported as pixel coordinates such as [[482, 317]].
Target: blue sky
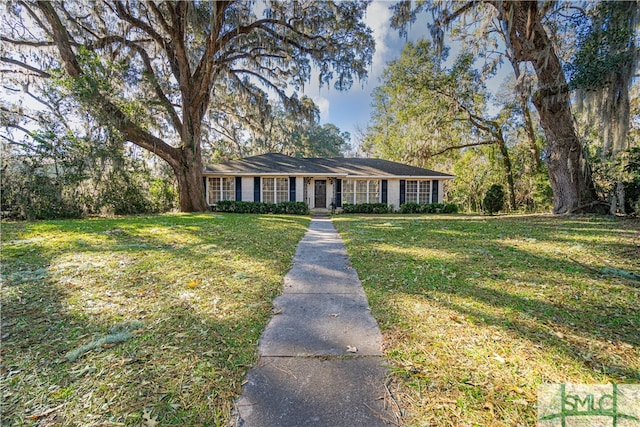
[[351, 109]]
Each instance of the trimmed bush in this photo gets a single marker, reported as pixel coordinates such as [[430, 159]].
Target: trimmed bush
[[374, 208], [411, 208], [407, 208], [233, 206]]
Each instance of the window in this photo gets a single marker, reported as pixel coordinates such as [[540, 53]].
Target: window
[[275, 190], [223, 188], [418, 192], [282, 190], [228, 189], [424, 192], [374, 191], [411, 192], [348, 189], [360, 191]]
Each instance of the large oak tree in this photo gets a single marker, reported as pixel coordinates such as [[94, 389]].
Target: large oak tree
[[528, 41], [153, 70]]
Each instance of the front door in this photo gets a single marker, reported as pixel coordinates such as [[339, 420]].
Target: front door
[[321, 193]]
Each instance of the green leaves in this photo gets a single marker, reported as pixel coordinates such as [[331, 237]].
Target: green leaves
[[606, 44], [153, 71]]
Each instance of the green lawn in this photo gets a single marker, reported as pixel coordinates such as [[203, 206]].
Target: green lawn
[[155, 320], [136, 321], [476, 312]]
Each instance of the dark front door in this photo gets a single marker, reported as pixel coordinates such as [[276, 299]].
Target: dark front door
[[321, 193]]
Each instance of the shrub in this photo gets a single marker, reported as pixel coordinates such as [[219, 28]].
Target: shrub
[[411, 208], [163, 195], [407, 208], [293, 208], [450, 208], [494, 199], [374, 208]]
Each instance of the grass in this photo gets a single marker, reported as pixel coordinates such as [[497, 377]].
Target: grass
[[476, 312], [136, 321]]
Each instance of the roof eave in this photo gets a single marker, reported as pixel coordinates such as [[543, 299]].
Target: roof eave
[[329, 175]]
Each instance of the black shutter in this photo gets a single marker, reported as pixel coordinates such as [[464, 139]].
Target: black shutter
[[402, 191], [434, 191], [292, 188], [338, 193], [256, 188], [384, 190], [238, 188], [204, 182]]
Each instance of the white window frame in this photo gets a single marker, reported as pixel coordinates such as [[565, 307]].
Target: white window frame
[[419, 184], [273, 194], [346, 183], [231, 194]]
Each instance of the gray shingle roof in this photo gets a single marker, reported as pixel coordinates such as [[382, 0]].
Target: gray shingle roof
[[280, 164]]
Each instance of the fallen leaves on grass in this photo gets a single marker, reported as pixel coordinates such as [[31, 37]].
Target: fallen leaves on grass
[[71, 282], [476, 312]]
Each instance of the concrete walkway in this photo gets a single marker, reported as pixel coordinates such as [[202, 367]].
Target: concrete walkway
[[320, 355]]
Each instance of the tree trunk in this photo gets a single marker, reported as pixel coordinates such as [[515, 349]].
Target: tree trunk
[[508, 169], [191, 187], [569, 171], [618, 201], [188, 170]]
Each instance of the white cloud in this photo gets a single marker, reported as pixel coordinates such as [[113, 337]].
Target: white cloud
[[323, 104], [378, 17]]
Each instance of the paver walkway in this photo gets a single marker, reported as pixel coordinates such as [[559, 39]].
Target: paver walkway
[[308, 373]]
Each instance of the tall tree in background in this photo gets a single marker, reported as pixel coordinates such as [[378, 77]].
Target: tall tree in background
[[242, 132], [528, 41], [422, 110], [601, 72], [152, 70]]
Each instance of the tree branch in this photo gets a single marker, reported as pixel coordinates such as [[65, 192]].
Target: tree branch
[[449, 18], [146, 60], [459, 147], [109, 110], [25, 66], [264, 80], [141, 25], [32, 43]]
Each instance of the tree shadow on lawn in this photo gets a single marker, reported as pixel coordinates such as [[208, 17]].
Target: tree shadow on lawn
[[187, 361], [258, 238], [185, 368], [560, 295]]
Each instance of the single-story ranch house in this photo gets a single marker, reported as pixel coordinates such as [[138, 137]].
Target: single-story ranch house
[[322, 183]]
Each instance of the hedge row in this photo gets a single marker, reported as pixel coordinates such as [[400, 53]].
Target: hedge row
[[407, 208], [375, 208], [293, 208], [301, 208]]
